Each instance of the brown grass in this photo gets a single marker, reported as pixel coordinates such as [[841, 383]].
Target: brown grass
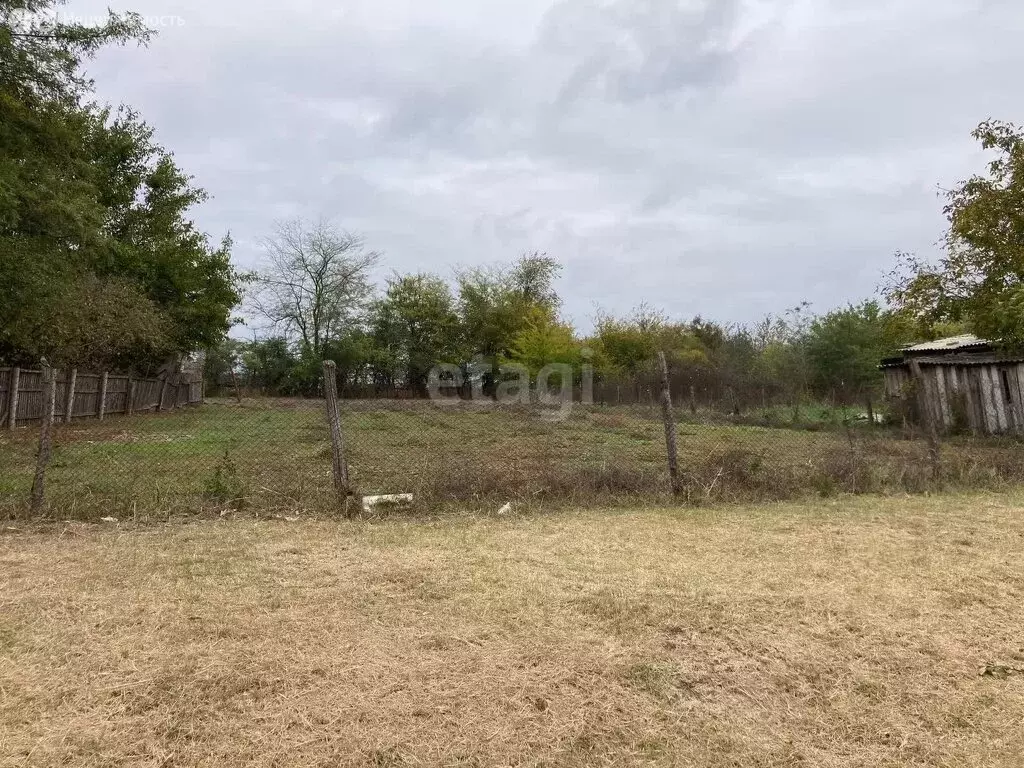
[[848, 632]]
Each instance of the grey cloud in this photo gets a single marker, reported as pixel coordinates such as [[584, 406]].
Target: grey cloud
[[724, 158], [632, 50]]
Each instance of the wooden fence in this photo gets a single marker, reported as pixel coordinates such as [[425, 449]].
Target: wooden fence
[[91, 395]]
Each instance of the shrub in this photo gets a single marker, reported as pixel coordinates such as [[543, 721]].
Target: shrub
[[225, 486]]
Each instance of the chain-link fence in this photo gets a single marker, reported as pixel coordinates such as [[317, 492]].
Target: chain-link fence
[[273, 456]]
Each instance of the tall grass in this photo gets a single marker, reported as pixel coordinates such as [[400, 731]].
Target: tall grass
[[272, 457]]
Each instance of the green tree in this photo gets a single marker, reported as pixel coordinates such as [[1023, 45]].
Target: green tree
[[545, 340], [628, 346], [625, 345], [270, 366], [845, 347], [150, 240], [415, 326], [781, 366], [711, 334], [980, 279], [101, 265], [354, 353], [220, 361], [497, 304]]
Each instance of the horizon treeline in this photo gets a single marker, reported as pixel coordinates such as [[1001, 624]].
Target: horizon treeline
[[319, 303]]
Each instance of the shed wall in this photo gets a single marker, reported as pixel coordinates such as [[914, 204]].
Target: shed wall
[[984, 399]]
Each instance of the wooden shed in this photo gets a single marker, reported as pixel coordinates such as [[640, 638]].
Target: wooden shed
[[966, 385]]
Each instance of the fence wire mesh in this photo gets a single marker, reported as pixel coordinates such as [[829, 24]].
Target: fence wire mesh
[[273, 456]]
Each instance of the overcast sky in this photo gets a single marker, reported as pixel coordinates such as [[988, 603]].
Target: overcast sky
[[724, 158]]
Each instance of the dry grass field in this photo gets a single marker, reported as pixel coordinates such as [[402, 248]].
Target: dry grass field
[[841, 632]]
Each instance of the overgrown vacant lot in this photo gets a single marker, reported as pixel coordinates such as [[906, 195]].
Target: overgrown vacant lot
[[837, 633], [273, 457]]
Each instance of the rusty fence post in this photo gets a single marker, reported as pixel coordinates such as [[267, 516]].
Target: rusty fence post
[[163, 394], [339, 466], [45, 438], [69, 395], [670, 427], [101, 405]]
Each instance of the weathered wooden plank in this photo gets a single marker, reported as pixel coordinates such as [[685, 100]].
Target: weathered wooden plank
[[991, 399], [988, 400], [979, 379], [117, 391], [1018, 397], [943, 417], [931, 433], [1010, 399], [162, 395], [87, 388], [13, 382], [101, 402], [5, 392], [975, 412], [980, 426], [896, 381], [148, 390], [998, 399], [30, 397], [1013, 404], [957, 396], [69, 395], [985, 391], [929, 379], [950, 389]]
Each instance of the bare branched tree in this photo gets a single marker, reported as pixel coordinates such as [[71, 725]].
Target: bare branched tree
[[315, 281]]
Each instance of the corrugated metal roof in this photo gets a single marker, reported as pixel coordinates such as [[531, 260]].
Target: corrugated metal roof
[[964, 341]]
